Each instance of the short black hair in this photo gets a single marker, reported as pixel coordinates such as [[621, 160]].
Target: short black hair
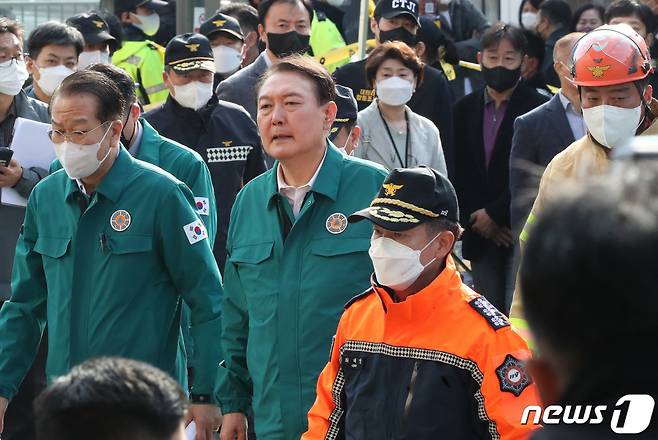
[[630, 8], [535, 4], [122, 80], [441, 224], [108, 399], [265, 6], [501, 31], [111, 103], [588, 276], [11, 26], [535, 47], [54, 33], [246, 15], [557, 12], [325, 87], [584, 8]]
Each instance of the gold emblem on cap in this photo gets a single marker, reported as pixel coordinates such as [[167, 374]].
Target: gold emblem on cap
[[219, 23], [390, 188], [598, 71], [99, 24], [193, 47], [227, 143]]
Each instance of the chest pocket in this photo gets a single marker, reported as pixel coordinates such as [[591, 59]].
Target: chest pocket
[[130, 244], [333, 247], [257, 272], [52, 247]]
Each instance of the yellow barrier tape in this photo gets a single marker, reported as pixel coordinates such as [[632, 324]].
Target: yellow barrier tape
[[342, 54]]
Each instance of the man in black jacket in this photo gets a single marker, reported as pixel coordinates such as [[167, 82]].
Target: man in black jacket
[[398, 20], [483, 131], [221, 132]]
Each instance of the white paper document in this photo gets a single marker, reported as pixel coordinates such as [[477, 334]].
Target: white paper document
[[32, 148]]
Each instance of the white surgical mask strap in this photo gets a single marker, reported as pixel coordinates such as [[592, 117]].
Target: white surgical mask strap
[[426, 246]]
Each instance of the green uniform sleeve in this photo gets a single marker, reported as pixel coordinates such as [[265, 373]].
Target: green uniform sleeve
[[201, 186], [234, 387], [23, 317], [193, 269]]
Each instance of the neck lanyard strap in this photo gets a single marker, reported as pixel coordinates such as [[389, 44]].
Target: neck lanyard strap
[[404, 162]]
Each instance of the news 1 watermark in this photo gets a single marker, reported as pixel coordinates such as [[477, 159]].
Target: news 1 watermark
[[630, 415]]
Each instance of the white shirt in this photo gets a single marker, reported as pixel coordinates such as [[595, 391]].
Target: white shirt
[[296, 195], [575, 119]]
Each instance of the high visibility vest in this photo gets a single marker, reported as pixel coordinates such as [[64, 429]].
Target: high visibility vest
[[325, 37], [144, 62]]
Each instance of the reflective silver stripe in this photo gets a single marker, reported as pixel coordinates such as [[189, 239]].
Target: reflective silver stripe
[[134, 60], [155, 89]]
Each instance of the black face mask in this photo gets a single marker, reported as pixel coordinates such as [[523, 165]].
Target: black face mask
[[500, 78], [398, 34], [288, 44]]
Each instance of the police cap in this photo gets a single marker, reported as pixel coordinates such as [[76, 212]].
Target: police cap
[[222, 23], [347, 109], [410, 197], [92, 27], [189, 52]]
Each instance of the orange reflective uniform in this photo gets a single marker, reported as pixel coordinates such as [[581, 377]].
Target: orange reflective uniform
[[444, 363]]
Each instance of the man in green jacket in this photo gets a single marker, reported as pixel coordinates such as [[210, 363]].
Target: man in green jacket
[[293, 261], [109, 248]]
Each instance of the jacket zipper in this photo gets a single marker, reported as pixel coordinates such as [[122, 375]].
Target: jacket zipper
[[410, 395]]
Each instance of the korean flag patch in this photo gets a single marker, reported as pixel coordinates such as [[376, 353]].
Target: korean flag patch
[[195, 232], [202, 205]]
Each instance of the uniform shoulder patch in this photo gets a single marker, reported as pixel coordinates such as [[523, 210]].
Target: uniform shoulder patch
[[358, 297], [513, 376], [494, 317]]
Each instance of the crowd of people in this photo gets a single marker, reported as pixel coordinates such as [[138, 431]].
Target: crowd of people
[[239, 238]]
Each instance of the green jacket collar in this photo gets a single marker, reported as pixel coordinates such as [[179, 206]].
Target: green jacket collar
[[327, 181], [114, 182], [149, 145]]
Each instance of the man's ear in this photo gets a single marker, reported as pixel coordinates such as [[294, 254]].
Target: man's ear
[[250, 40], [124, 17], [374, 28], [135, 111], [421, 50], [356, 134], [479, 58], [167, 81], [31, 66], [546, 380], [446, 242], [648, 93], [329, 115], [262, 34]]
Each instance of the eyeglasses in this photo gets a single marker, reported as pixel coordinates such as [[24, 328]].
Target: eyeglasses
[[7, 62], [77, 136]]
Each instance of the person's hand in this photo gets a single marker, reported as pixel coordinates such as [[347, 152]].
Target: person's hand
[[234, 426], [3, 408], [503, 237], [9, 176], [482, 223], [207, 417]]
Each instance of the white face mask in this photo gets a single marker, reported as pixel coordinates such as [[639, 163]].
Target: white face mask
[[227, 59], [609, 124], [13, 74], [343, 149], [396, 266], [88, 58], [193, 95], [149, 23], [529, 20], [51, 77], [80, 161], [395, 91]]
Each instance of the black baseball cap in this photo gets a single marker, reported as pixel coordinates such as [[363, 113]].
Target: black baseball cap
[[131, 5], [410, 197], [347, 109], [222, 23], [92, 26], [188, 52], [394, 8]]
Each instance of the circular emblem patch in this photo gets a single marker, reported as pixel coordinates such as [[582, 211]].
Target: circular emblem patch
[[120, 220], [513, 376], [336, 223]]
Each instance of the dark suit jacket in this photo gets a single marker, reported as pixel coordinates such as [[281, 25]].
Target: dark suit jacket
[[538, 136], [478, 186]]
